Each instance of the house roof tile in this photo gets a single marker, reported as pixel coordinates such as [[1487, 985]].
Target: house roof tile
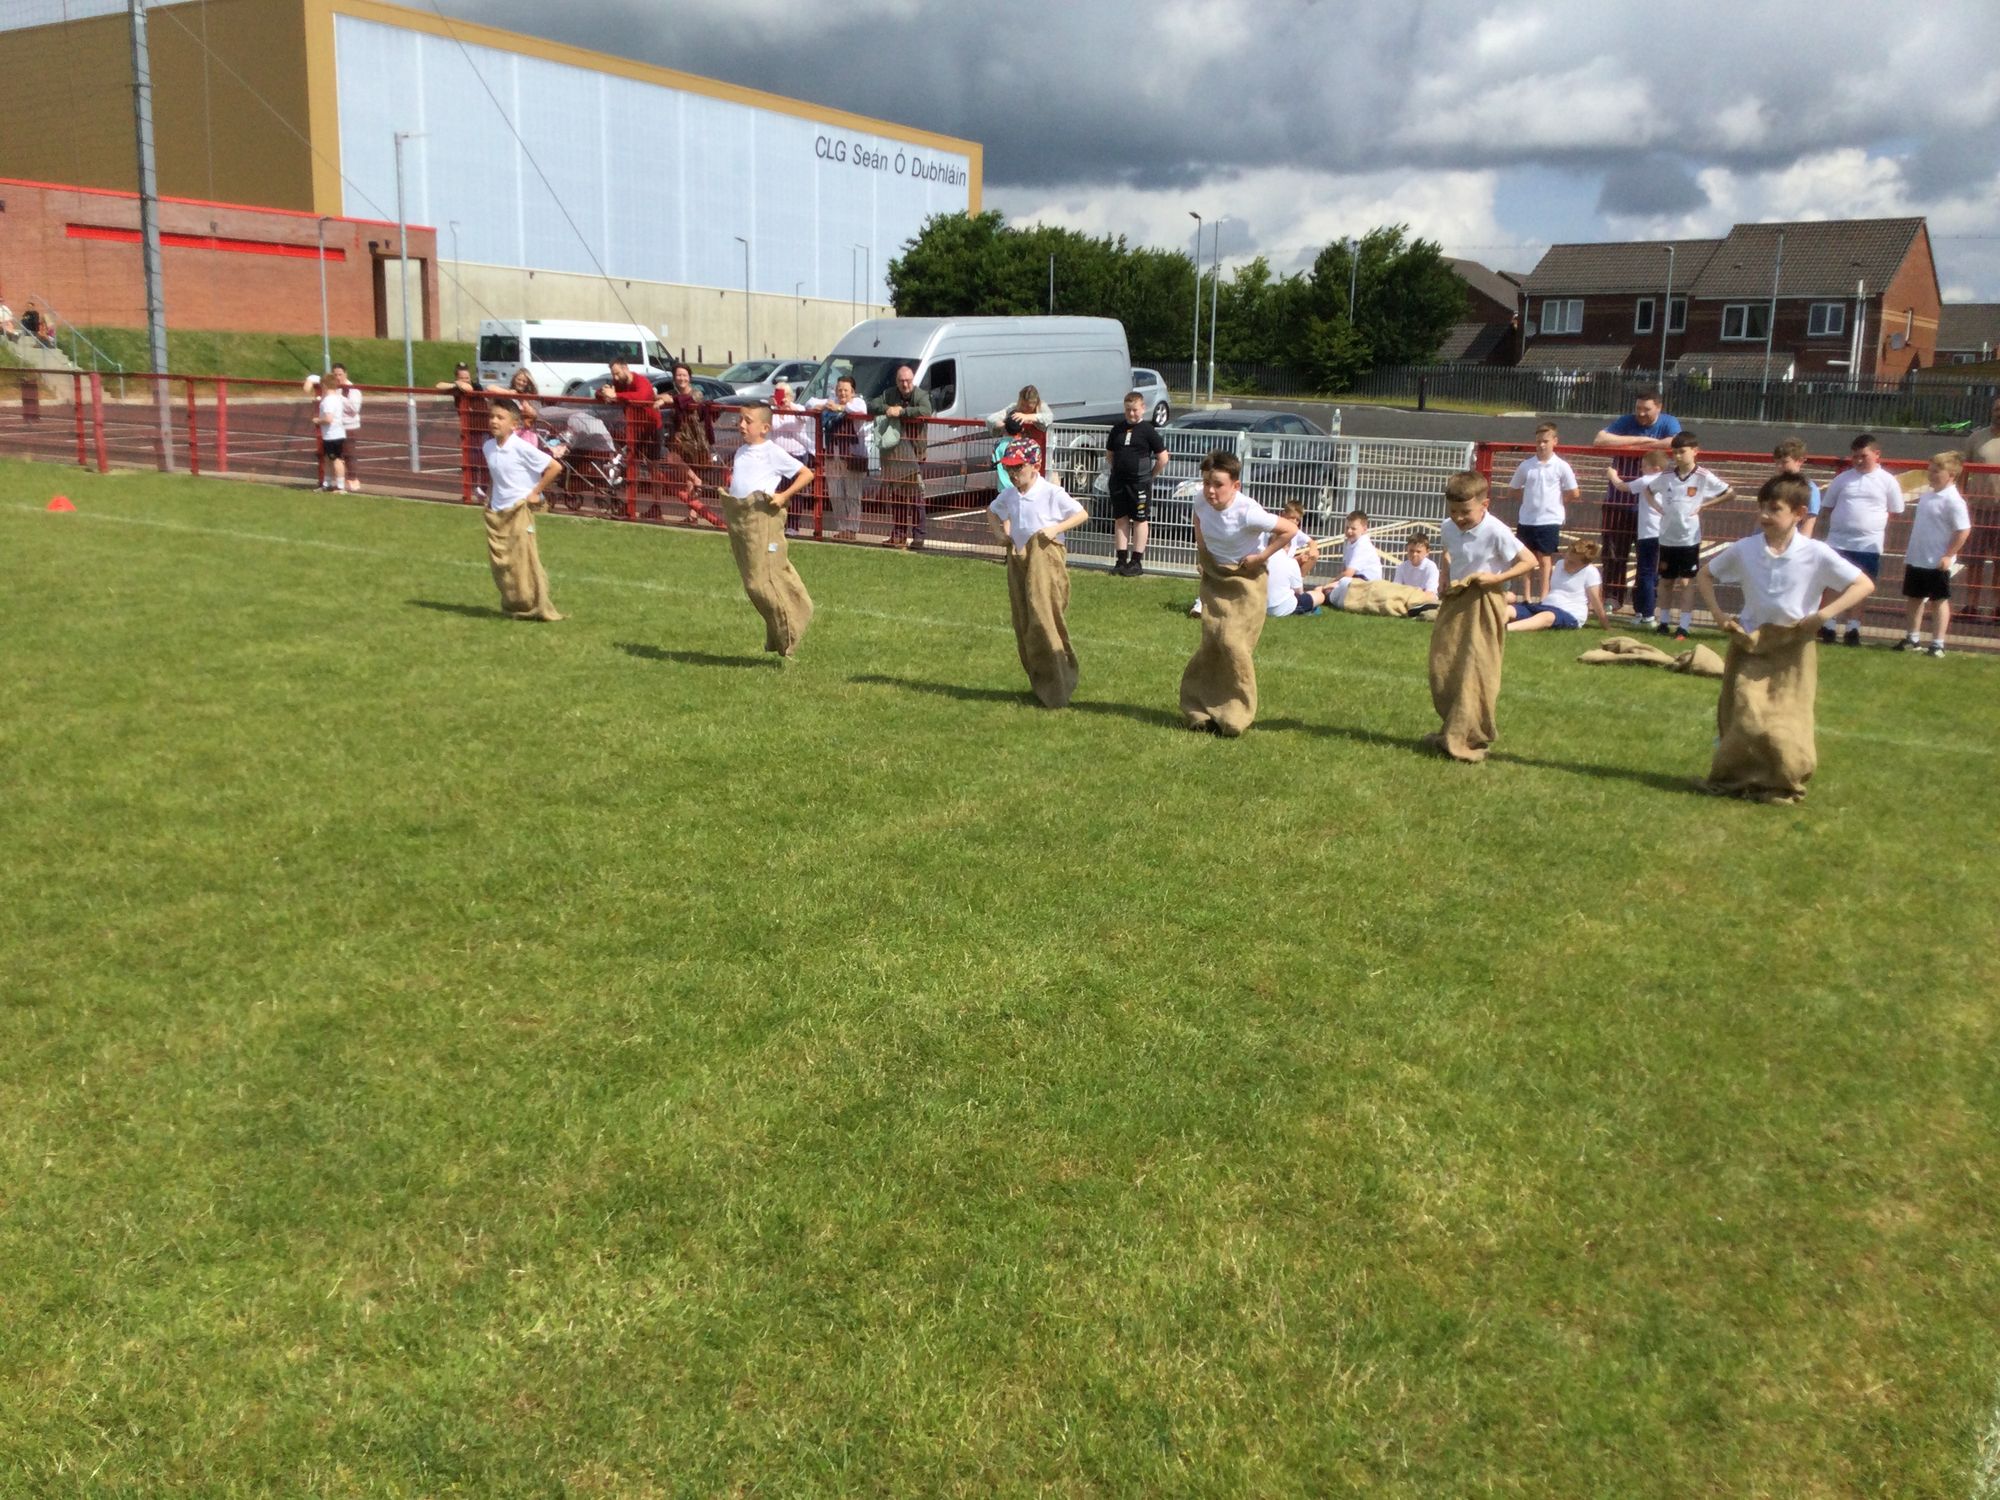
[[1501, 287], [1561, 354], [1822, 258], [1969, 325], [1624, 266]]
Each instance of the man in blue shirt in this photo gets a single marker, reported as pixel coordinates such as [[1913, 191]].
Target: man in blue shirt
[[1629, 438]]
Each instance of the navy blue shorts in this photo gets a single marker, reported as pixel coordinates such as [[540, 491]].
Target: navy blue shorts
[[1564, 619], [1543, 541], [1305, 603], [1868, 562]]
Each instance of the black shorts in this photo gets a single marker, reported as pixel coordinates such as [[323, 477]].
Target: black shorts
[[332, 448], [1129, 497], [1543, 541], [1926, 583], [1680, 562]]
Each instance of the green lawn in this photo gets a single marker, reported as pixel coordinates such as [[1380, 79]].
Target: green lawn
[[279, 356], [443, 1056]]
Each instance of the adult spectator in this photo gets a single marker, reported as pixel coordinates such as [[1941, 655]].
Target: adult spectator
[[350, 403], [635, 393], [689, 436], [846, 463], [41, 330], [1629, 438], [900, 415]]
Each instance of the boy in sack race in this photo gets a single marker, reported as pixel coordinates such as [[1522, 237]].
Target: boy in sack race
[[1469, 641], [763, 478], [1234, 540], [520, 473], [1030, 516]]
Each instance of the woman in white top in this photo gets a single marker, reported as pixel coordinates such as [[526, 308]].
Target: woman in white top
[[843, 458]]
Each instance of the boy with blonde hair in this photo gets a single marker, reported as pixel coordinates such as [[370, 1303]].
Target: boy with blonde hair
[[1470, 640], [1942, 527], [1359, 559], [1678, 496], [1790, 457], [520, 474], [1416, 570], [763, 480], [1544, 486]]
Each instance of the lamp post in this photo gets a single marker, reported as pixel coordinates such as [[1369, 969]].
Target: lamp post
[[1353, 275], [1194, 356], [1771, 324], [458, 288], [1666, 317], [867, 264], [746, 292], [403, 276], [325, 332], [1214, 292]]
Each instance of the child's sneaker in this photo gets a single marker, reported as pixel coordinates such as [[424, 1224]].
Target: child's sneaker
[[1680, 632], [1853, 635], [1663, 628], [1935, 648], [1905, 643], [1826, 635], [1643, 622]]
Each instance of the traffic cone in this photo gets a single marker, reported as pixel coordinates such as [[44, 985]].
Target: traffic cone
[[61, 502]]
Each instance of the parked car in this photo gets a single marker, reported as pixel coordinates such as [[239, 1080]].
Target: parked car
[[1153, 386], [711, 389], [766, 375]]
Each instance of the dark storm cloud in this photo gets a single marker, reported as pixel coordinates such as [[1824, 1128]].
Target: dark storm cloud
[[1654, 185]]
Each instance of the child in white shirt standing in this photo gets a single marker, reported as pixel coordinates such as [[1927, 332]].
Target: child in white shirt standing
[[1575, 593], [1677, 497], [330, 417], [1030, 514], [1942, 527], [1646, 537], [1544, 487], [1862, 499], [1467, 646]]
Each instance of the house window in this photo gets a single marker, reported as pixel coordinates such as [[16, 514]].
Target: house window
[[1826, 320], [1642, 317], [1745, 320], [1562, 315], [1677, 314]]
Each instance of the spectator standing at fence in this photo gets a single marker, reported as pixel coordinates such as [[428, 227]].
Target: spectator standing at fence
[[634, 393], [901, 413], [520, 475], [1942, 528], [1862, 498], [1646, 428], [350, 413], [1646, 540], [1137, 453], [330, 417], [688, 437], [1544, 487], [845, 463], [1029, 417]]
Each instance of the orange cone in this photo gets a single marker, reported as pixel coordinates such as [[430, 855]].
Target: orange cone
[[61, 502]]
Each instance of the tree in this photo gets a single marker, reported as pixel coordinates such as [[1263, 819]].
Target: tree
[[1406, 295]]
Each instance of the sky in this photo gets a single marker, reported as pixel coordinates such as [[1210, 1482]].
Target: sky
[[1493, 130]]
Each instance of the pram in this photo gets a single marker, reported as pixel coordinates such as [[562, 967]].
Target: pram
[[593, 463]]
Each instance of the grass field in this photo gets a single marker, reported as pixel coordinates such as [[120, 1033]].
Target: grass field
[[442, 1056]]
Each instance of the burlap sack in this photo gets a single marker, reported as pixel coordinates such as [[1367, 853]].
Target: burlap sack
[[517, 564], [1219, 687], [1373, 596], [1467, 647], [1038, 592], [757, 538], [1622, 650], [1700, 662], [1764, 745]]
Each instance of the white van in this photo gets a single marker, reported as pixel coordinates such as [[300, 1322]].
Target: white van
[[973, 367], [557, 351]]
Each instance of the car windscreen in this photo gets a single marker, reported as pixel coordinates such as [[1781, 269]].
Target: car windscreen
[[499, 349], [747, 370], [873, 374]]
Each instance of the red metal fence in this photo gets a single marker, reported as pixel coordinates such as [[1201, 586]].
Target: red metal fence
[[1975, 586]]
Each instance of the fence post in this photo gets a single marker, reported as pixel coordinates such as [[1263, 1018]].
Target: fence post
[[76, 405], [194, 432], [463, 410], [819, 480], [1351, 481], [97, 420], [1423, 390], [222, 427]]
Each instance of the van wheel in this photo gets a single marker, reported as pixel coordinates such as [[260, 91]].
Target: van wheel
[[1160, 415]]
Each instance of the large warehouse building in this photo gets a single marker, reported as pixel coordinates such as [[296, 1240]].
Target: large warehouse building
[[552, 181]]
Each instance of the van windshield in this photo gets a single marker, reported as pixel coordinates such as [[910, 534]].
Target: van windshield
[[873, 374]]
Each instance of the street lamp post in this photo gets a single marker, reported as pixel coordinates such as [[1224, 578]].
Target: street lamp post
[[1194, 355], [746, 292], [1666, 318], [325, 332], [1771, 324], [403, 276], [1214, 293], [1353, 274], [458, 287]]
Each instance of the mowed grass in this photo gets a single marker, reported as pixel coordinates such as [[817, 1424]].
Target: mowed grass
[[443, 1056]]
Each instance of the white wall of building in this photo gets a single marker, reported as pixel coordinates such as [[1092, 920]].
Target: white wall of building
[[658, 181]]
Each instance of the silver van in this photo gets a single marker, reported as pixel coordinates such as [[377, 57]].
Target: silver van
[[973, 367]]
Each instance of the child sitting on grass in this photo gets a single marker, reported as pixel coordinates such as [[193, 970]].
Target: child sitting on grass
[[1575, 592], [1416, 570]]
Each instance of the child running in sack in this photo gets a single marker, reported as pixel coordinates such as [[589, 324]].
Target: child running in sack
[[1235, 538], [763, 480], [1470, 640], [1030, 516], [520, 474]]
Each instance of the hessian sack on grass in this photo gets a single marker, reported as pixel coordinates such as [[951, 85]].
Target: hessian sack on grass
[[757, 538], [517, 564], [1219, 687], [1764, 746], [1374, 596], [1467, 646], [1038, 591]]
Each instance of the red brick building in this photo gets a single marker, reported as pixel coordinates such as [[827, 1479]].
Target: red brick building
[[1857, 295], [76, 253]]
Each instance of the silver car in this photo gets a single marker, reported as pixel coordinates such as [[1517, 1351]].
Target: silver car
[[762, 377], [1153, 386]]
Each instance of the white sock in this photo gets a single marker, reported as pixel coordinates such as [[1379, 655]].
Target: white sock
[[1687, 619], [1915, 637]]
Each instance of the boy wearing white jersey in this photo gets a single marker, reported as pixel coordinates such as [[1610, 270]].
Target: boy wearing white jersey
[[330, 417], [1575, 593], [1862, 499], [1544, 487], [1942, 527], [1416, 570], [1646, 551], [1468, 643], [1359, 559], [1677, 496], [519, 474]]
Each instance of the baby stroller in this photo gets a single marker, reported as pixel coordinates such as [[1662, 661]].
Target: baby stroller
[[593, 463]]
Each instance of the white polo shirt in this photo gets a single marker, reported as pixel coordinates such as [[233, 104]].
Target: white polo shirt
[[1785, 588], [1542, 487], [335, 411], [1941, 515], [1680, 498], [1361, 556], [761, 467], [1862, 504], [1487, 547], [1418, 576], [350, 400], [1045, 503], [514, 468], [1282, 582], [1234, 532], [1570, 592], [1649, 519]]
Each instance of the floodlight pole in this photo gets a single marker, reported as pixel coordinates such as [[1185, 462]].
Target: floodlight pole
[[325, 330], [1194, 356], [149, 229], [1771, 324], [457, 289], [403, 278], [1666, 317], [1214, 292], [1353, 274]]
